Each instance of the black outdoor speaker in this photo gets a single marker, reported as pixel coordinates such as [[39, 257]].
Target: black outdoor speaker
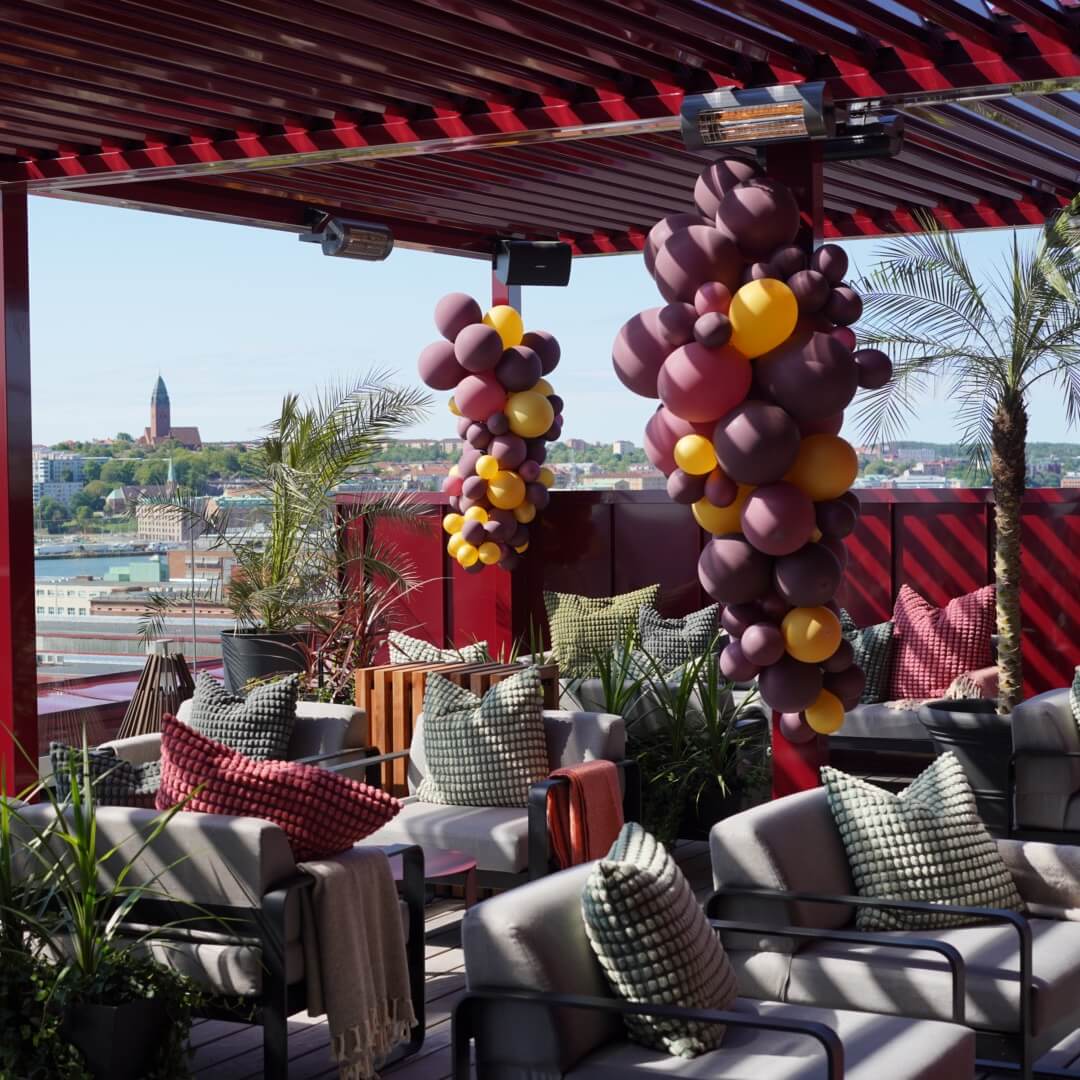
[[533, 262]]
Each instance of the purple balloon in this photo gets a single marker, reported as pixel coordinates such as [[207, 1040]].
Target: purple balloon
[[510, 561], [852, 500], [463, 425], [756, 271], [683, 487], [795, 729], [556, 404], [693, 256], [519, 536], [824, 425], [810, 377], [735, 664], [845, 335], [808, 577], [675, 324], [438, 366], [774, 607], [498, 423], [735, 618], [663, 230], [474, 487], [495, 531], [473, 532], [760, 216], [712, 296], [546, 347], [453, 313], [518, 368], [756, 443], [762, 644], [778, 518], [508, 450], [506, 522], [830, 260], [478, 436], [719, 178], [840, 660], [720, 489], [835, 518], [848, 685], [554, 432], [538, 495], [639, 352], [712, 330], [536, 450], [478, 348], [844, 305], [789, 686], [731, 571], [788, 260], [875, 368], [454, 502], [838, 548], [811, 290], [467, 461], [528, 471]]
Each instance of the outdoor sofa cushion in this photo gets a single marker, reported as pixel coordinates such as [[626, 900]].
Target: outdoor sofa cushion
[[1047, 785], [665, 645], [411, 650], [114, 780], [257, 724], [884, 721], [873, 647]]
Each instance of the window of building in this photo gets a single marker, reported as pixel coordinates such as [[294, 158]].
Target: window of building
[[41, 611], [71, 611], [52, 611]]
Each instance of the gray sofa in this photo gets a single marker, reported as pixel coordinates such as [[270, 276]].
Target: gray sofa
[[539, 1008], [1046, 768]]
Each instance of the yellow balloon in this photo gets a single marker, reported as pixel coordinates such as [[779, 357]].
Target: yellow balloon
[[826, 466], [694, 454], [453, 545], [546, 477], [763, 314], [530, 414], [489, 553], [811, 634], [454, 471], [452, 523], [719, 520], [543, 387], [507, 322], [452, 406], [476, 513], [506, 491], [467, 554], [525, 512], [487, 467], [826, 715], [524, 547]]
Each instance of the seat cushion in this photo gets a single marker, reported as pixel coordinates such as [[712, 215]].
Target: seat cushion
[[496, 836], [873, 648], [667, 644], [410, 650], [884, 721], [115, 781], [875, 1048], [258, 724]]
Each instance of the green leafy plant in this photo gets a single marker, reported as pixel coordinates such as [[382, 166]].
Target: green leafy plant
[[991, 335]]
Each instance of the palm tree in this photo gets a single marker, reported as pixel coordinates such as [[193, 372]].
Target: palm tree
[[992, 334]]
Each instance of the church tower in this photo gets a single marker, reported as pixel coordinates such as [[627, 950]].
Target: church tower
[[160, 418]]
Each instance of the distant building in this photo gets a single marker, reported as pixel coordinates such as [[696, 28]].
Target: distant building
[[622, 446], [1071, 480], [577, 445], [241, 511], [161, 429], [624, 481], [122, 499], [58, 475], [164, 524]]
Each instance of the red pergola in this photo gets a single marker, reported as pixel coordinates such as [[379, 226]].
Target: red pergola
[[457, 122]]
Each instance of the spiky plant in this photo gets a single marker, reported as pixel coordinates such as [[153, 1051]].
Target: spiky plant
[[991, 333]]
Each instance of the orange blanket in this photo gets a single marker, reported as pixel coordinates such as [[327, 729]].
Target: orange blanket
[[585, 815]]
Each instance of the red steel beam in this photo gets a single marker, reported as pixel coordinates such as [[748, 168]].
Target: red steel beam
[[1060, 26], [887, 27]]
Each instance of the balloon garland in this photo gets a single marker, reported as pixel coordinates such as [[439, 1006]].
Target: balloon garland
[[506, 412], [753, 361]]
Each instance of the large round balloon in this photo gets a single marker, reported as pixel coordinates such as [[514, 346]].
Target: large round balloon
[[735, 664], [756, 442], [811, 290], [478, 348], [530, 414], [718, 179], [721, 520], [841, 660], [826, 714], [763, 314], [639, 350], [788, 260], [825, 467], [848, 685], [478, 396], [874, 366], [759, 216], [737, 618], [809, 376], [831, 261], [835, 518], [508, 450], [438, 366], [821, 425], [807, 577], [453, 313], [700, 384], [778, 518], [692, 256], [795, 729], [762, 644], [733, 572], [811, 634], [789, 686], [518, 368], [546, 347], [713, 296], [506, 491], [662, 231], [506, 321]]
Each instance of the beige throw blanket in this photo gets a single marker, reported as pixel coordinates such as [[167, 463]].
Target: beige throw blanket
[[354, 958]]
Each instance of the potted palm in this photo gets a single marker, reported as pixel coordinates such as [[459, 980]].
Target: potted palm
[[298, 569]]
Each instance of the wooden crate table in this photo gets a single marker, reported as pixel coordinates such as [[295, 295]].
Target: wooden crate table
[[392, 696]]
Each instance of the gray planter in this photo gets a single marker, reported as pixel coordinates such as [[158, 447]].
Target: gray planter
[[251, 654]]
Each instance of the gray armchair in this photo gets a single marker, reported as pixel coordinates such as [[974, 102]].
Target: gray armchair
[[1045, 773], [783, 863], [538, 1006]]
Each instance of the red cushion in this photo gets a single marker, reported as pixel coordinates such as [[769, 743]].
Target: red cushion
[[321, 812], [933, 645]]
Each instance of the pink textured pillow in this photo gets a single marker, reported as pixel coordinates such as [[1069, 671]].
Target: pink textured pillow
[[321, 812], [933, 645]]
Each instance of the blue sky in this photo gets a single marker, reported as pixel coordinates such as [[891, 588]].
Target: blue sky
[[235, 317]]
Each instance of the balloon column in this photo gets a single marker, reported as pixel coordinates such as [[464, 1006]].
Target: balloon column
[[506, 412], [753, 362]]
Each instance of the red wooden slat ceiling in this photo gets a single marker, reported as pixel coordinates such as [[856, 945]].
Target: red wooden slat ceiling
[[260, 110]]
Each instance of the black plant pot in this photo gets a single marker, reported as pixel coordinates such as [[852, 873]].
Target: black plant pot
[[117, 1042], [700, 815], [254, 654]]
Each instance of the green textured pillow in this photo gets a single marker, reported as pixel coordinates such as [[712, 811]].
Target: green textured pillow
[[411, 650], [484, 751], [654, 943], [927, 843], [585, 627], [671, 643], [873, 647], [1074, 697]]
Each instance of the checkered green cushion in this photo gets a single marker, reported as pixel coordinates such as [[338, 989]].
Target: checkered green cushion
[[411, 650], [671, 643], [927, 843], [258, 724], [584, 628], [484, 752], [1074, 697], [873, 647], [115, 782], [654, 943]]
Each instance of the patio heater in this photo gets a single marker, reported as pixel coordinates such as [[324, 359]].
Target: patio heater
[[350, 238]]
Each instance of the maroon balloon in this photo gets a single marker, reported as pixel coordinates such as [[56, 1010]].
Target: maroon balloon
[[505, 520], [546, 347], [712, 330], [840, 660], [838, 548], [519, 536], [712, 296], [807, 577], [875, 368], [473, 532], [662, 432], [474, 487], [789, 686], [778, 518], [536, 450], [518, 368], [823, 425], [762, 644], [538, 495], [498, 423], [720, 489], [663, 230], [835, 518], [731, 571], [830, 260], [557, 404], [478, 396], [774, 607], [553, 432], [510, 561], [758, 270], [639, 351], [475, 568], [759, 216], [736, 618], [809, 377], [719, 178], [811, 290], [795, 729], [494, 531], [848, 685], [788, 260], [508, 450], [675, 324], [454, 502], [453, 313], [463, 425], [693, 256], [700, 384], [756, 443], [478, 436], [467, 462], [478, 348], [438, 366], [735, 664], [682, 487], [528, 470], [844, 305], [852, 500], [845, 335]]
